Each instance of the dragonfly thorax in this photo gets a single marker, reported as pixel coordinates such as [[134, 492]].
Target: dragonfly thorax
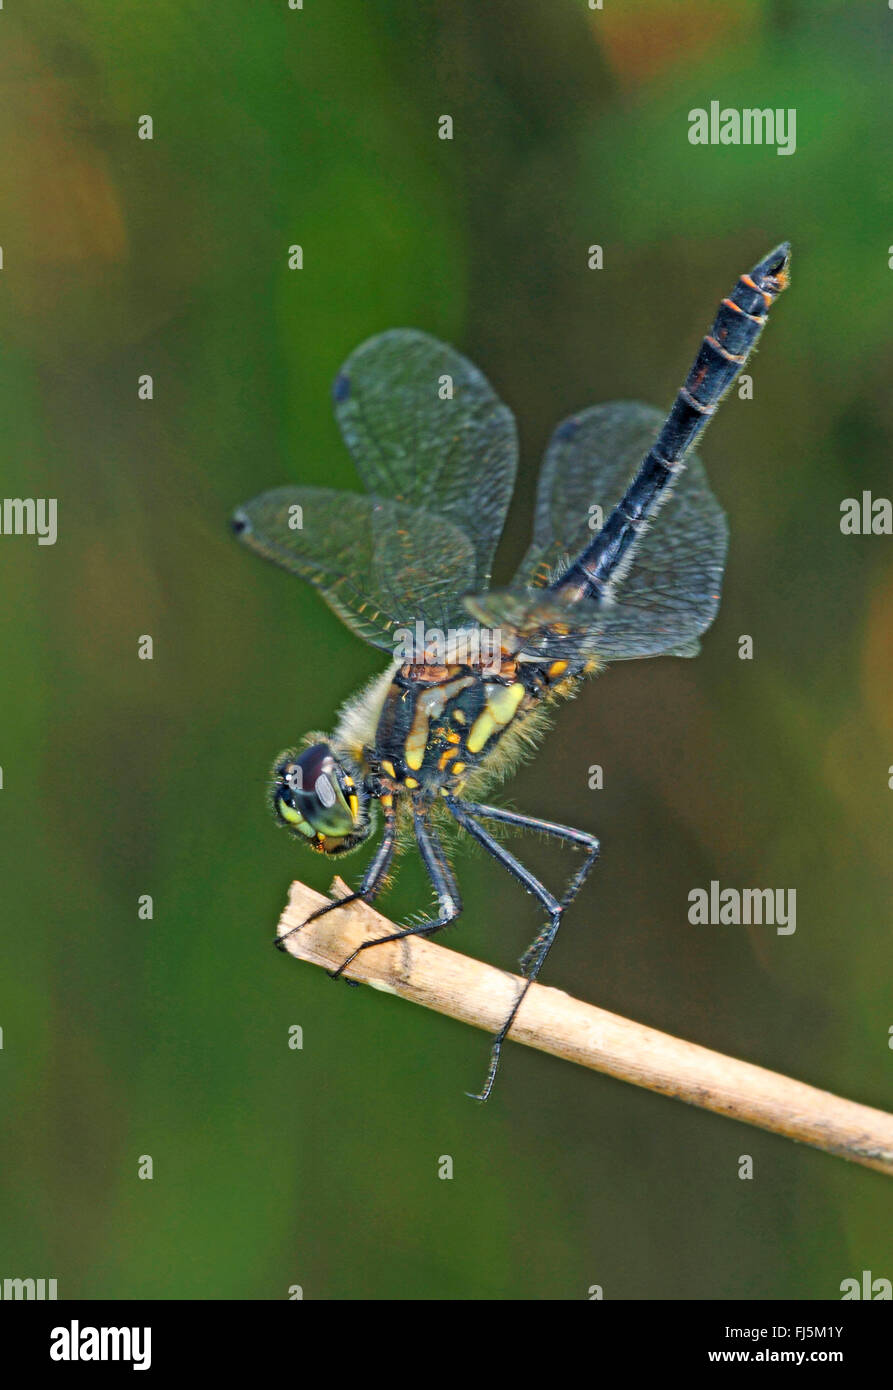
[[439, 725]]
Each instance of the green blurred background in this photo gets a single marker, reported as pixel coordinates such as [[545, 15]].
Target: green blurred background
[[121, 777]]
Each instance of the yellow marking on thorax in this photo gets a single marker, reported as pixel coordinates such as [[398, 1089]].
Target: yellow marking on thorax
[[429, 705], [417, 738], [501, 706]]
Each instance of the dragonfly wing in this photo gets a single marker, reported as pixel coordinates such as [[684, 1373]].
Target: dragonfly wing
[[534, 626], [677, 566], [626, 631], [531, 625], [456, 456], [381, 565]]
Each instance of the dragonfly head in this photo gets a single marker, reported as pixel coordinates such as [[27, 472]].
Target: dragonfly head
[[315, 797]]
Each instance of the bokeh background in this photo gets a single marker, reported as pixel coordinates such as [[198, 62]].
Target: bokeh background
[[122, 777]]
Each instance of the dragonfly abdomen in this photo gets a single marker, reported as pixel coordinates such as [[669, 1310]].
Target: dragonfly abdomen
[[723, 352]]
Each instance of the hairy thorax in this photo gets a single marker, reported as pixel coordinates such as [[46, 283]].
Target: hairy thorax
[[441, 726]]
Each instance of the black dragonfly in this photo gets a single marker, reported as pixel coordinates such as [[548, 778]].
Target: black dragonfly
[[474, 673]]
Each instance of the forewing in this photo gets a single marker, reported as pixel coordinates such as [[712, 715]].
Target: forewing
[[454, 457], [379, 564], [677, 567]]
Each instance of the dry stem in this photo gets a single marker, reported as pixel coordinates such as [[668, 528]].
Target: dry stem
[[480, 994]]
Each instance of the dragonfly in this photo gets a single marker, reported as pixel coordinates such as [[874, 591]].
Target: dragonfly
[[475, 672]]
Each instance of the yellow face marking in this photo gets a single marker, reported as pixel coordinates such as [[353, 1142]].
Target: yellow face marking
[[453, 737], [294, 817], [389, 767], [445, 757], [411, 783]]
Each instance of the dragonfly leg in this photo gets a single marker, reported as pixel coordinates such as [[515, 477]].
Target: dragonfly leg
[[373, 879], [586, 842], [441, 876], [534, 957]]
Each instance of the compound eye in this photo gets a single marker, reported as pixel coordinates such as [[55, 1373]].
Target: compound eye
[[318, 800], [293, 777], [311, 795], [311, 768], [324, 790], [314, 774]]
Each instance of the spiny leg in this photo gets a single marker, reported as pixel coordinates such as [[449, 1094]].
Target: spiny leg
[[370, 886], [444, 883], [544, 827], [539, 891], [534, 957]]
